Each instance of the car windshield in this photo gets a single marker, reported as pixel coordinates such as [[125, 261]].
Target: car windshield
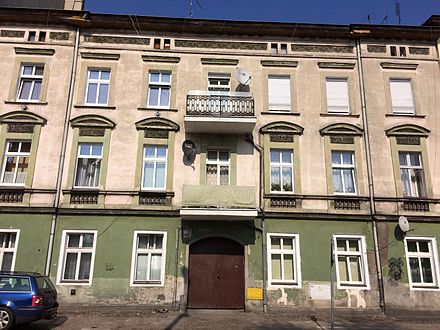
[[9, 283]]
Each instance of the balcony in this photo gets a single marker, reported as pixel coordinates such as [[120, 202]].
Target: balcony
[[219, 112], [206, 202]]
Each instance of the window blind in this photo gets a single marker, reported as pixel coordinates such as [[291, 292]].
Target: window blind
[[279, 93], [337, 95], [401, 96]]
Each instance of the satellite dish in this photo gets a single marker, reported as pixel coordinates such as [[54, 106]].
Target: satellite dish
[[243, 77], [403, 224]]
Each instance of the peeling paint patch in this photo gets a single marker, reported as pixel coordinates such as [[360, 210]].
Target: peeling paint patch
[[355, 299]]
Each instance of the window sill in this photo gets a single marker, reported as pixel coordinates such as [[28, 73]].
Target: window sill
[[96, 106], [404, 115], [327, 114], [26, 102], [77, 283], [157, 109], [282, 113]]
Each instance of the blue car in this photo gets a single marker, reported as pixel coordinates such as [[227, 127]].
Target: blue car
[[26, 297]]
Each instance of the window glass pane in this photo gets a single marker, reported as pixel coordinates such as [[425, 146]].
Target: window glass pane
[[160, 175], [148, 174], [154, 76], [224, 155], [87, 174], [274, 156], [153, 96], [25, 90], [224, 175], [73, 240], [423, 246], [337, 181], [414, 159], [9, 170], [39, 70], [287, 243], [166, 77], [69, 271], [347, 158], [36, 91], [25, 147], [91, 93], [84, 267], [28, 69], [412, 246], [143, 241], [349, 181], [355, 269], [343, 270], [211, 174], [93, 74], [336, 157], [156, 261], [159, 241], [212, 155], [84, 149], [276, 266], [105, 75], [141, 267], [13, 146], [7, 261], [402, 158], [341, 245], [288, 267], [96, 149], [275, 243], [275, 179], [103, 93], [287, 179], [427, 270], [415, 270], [405, 177], [88, 240], [419, 183], [164, 96], [161, 152], [286, 156], [353, 245], [149, 152]]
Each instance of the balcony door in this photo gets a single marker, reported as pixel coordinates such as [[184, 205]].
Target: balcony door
[[216, 274]]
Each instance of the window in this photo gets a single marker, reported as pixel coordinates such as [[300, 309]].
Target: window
[[402, 51], [402, 96], [98, 83], [30, 81], [284, 260], [219, 82], [276, 48], [156, 44], [166, 43], [32, 35], [8, 249], [88, 166], [218, 167], [343, 172], [281, 170], [411, 174], [16, 162], [148, 262], [159, 89], [154, 168], [337, 95], [422, 261], [279, 93], [393, 50], [77, 256], [14, 283], [351, 261], [42, 36]]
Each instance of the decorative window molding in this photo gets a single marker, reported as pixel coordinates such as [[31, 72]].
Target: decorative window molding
[[399, 66], [34, 51], [100, 56], [101, 39], [77, 257], [336, 65], [148, 259], [160, 59], [422, 263], [280, 64], [350, 254], [341, 129], [282, 127], [284, 260], [157, 124], [408, 130], [219, 61]]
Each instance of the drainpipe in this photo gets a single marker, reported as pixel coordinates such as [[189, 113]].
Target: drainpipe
[[370, 176], [61, 160], [259, 148]]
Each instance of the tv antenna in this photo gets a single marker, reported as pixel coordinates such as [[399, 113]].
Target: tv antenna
[[191, 7], [397, 7], [243, 77], [385, 20]]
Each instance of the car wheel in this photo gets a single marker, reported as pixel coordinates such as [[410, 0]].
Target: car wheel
[[6, 318]]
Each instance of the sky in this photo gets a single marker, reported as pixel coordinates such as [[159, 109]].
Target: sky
[[412, 12]]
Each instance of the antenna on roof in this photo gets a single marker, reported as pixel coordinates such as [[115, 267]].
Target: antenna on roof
[[385, 20], [369, 19], [191, 7], [397, 7]]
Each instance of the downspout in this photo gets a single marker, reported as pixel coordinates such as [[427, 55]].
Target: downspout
[[61, 160], [370, 176], [259, 148]]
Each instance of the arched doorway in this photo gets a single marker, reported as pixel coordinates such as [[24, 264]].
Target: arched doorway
[[216, 274]]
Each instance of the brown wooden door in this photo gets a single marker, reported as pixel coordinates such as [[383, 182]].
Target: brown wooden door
[[216, 274]]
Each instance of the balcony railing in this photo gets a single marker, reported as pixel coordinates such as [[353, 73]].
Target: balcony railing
[[219, 104], [207, 196]]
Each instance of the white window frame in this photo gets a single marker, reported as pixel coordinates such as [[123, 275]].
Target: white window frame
[[411, 170], [4, 249], [280, 107], [63, 253], [155, 160], [19, 155], [99, 159], [219, 163], [338, 109], [161, 85], [99, 81], [282, 165], [218, 87], [296, 282], [135, 252], [432, 255], [362, 254], [410, 111], [30, 77], [341, 167]]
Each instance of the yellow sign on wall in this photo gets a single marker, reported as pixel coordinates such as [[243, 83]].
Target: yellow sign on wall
[[255, 294]]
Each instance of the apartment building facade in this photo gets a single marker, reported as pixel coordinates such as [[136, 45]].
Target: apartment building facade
[[216, 164]]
